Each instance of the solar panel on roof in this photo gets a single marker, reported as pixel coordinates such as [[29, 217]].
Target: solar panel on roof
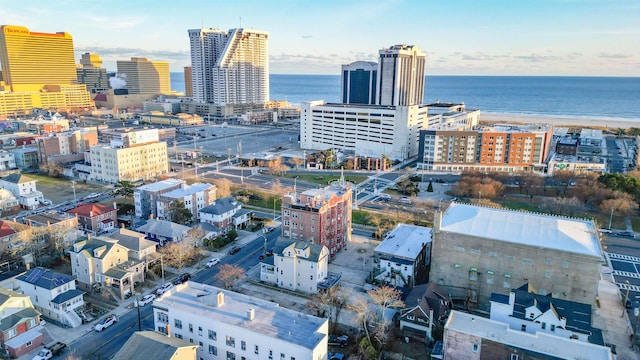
[[35, 275]]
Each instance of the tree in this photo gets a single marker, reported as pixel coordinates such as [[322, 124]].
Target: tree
[[179, 255], [329, 304], [229, 274], [430, 187], [178, 213], [386, 297], [623, 204], [363, 314], [407, 187], [223, 188], [52, 169], [297, 162], [124, 188]]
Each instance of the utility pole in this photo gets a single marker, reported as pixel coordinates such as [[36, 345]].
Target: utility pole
[[73, 185], [610, 219]]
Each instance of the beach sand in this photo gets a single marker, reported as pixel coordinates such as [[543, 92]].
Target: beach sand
[[558, 121]]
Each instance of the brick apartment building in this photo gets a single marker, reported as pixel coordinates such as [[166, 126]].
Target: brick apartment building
[[321, 216]]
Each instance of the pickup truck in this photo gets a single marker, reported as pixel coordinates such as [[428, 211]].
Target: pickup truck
[[50, 351]]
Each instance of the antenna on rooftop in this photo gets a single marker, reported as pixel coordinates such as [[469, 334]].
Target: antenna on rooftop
[[241, 22]]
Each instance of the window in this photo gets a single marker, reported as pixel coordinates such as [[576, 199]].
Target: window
[[514, 356], [213, 335], [544, 325], [200, 344], [29, 343], [256, 350], [200, 330], [190, 327], [523, 327], [243, 345], [231, 341], [553, 327], [213, 350], [191, 340], [231, 356], [177, 336], [177, 323], [475, 348], [281, 355]]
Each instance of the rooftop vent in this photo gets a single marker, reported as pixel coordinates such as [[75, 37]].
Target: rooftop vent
[[251, 314], [219, 299]]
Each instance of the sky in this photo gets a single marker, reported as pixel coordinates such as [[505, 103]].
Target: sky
[[460, 37]]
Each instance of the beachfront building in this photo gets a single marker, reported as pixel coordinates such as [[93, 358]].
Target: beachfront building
[[478, 251], [145, 197], [359, 82], [320, 216], [194, 197], [403, 256], [53, 294], [296, 265], [21, 330], [229, 67], [576, 164], [24, 189], [510, 148], [400, 76], [469, 336], [145, 77], [38, 71], [135, 155], [230, 325]]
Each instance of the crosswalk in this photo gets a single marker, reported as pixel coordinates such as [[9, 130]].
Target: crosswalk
[[624, 285], [623, 257]]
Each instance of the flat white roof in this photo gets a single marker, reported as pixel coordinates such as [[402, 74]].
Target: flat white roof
[[157, 186], [187, 190], [270, 319], [539, 342], [532, 229], [405, 241]]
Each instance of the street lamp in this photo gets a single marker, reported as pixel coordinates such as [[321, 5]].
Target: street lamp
[[73, 185], [610, 219]]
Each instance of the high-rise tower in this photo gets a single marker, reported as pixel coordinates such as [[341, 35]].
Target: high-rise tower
[[229, 67], [91, 73], [31, 60], [144, 76], [359, 81], [401, 76]]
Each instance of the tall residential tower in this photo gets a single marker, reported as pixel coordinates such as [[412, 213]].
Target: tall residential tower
[[229, 67]]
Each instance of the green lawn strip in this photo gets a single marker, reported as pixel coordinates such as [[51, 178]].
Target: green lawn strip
[[325, 179]]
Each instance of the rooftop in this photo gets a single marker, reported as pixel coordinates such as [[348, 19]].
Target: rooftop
[[532, 229], [18, 179], [91, 210], [163, 228], [160, 185], [149, 345], [269, 318], [187, 190], [540, 343], [221, 206], [405, 241], [45, 278]]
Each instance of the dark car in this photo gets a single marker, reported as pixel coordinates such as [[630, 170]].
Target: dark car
[[182, 278], [234, 250], [269, 253], [630, 234]]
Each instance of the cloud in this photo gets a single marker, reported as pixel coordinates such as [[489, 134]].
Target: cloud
[[613, 56], [307, 36], [535, 58]]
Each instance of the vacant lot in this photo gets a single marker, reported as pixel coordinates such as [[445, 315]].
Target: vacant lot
[[60, 189]]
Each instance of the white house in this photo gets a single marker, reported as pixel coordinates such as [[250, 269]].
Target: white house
[[194, 197], [53, 294], [230, 325], [296, 265], [23, 188], [402, 257], [529, 312]]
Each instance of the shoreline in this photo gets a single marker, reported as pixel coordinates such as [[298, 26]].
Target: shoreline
[[559, 121]]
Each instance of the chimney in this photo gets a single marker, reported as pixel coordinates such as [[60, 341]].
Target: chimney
[[168, 330], [115, 206], [88, 236], [91, 214], [219, 299], [251, 314], [150, 216]]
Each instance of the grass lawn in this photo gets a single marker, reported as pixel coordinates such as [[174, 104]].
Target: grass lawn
[[359, 217], [326, 179], [635, 222], [61, 189]]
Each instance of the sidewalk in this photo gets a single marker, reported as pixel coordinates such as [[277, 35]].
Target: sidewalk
[[611, 317]]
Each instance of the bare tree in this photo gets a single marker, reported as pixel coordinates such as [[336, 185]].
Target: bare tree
[[329, 304], [229, 274], [297, 162], [223, 188], [363, 314], [386, 297], [277, 188], [623, 204], [179, 255]]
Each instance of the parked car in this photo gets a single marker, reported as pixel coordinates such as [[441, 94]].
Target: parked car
[[630, 234], [92, 195], [50, 350], [385, 197], [182, 278], [605, 231], [234, 250], [335, 340], [163, 289], [405, 200], [269, 253], [269, 229], [212, 262], [335, 356], [106, 322], [147, 299]]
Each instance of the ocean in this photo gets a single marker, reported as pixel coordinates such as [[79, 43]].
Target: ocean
[[615, 98]]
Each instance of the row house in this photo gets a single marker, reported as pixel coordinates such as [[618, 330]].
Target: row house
[[194, 197], [20, 326], [24, 189], [96, 217]]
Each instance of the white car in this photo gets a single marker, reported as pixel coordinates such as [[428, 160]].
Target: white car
[[147, 299], [106, 322], [212, 262], [92, 195], [164, 288]]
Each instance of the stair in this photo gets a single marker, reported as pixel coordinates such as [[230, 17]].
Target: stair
[[72, 319]]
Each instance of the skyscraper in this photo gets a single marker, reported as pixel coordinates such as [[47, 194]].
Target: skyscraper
[[91, 73], [229, 67], [144, 76], [30, 60], [359, 81], [188, 78], [401, 76]]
